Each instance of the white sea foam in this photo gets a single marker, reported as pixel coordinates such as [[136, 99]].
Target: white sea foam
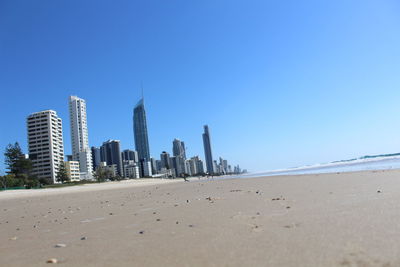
[[361, 164]]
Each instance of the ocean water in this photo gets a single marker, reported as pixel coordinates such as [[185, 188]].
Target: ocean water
[[375, 163]]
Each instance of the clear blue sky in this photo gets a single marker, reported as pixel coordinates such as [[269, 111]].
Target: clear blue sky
[[280, 83]]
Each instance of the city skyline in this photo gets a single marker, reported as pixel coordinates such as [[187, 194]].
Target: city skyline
[[110, 157], [199, 133]]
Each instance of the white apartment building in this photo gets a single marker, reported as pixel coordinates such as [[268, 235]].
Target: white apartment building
[[79, 136], [45, 144], [73, 170], [131, 169], [146, 165]]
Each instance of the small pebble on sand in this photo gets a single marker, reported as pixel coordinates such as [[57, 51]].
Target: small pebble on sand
[[52, 261]]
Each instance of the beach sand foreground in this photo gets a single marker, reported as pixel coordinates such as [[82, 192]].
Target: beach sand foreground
[[348, 219]]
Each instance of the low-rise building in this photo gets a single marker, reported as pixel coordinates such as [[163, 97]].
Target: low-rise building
[[112, 170], [131, 169], [72, 168]]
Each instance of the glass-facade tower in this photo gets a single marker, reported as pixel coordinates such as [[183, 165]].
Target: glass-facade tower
[[207, 150], [140, 131]]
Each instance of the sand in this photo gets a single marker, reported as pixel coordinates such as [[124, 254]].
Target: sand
[[348, 219]]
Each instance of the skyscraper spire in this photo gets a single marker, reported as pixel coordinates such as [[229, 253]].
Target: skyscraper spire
[[141, 85]]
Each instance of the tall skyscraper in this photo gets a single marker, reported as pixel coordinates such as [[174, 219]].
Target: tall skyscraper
[[178, 148], [79, 136], [110, 153], [207, 150], [45, 144], [96, 158], [140, 131]]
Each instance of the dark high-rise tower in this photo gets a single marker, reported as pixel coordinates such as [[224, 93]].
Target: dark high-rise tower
[[96, 158], [207, 150], [140, 131], [110, 152]]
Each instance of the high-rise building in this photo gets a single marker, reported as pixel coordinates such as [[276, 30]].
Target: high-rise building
[[96, 157], [229, 169], [200, 167], [215, 167], [223, 165], [110, 153], [207, 150], [179, 165], [237, 169], [153, 165], [189, 168], [196, 166], [45, 144], [165, 160], [128, 154], [178, 148], [140, 131], [158, 165], [79, 136]]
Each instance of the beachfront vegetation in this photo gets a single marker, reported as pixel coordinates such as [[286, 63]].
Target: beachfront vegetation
[[102, 174], [62, 175], [19, 169]]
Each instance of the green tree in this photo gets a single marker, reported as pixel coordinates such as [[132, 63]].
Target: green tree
[[19, 168], [10, 180], [62, 175], [15, 160], [101, 174]]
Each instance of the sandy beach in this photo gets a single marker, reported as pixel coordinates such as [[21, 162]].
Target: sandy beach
[[347, 219]]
